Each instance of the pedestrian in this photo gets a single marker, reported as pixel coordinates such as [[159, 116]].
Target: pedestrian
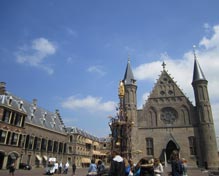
[[184, 166], [92, 170], [132, 167], [100, 168], [176, 164], [66, 166], [11, 169], [73, 168], [117, 167], [127, 166], [146, 168], [158, 167], [60, 167], [56, 166]]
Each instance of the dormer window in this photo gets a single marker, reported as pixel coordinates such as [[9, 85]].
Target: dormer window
[[21, 104], [10, 100], [45, 114], [34, 109]]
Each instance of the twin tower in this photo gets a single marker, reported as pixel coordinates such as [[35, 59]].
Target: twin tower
[[168, 121]]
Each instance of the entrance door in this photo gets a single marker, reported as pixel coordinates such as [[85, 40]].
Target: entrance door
[[171, 146]]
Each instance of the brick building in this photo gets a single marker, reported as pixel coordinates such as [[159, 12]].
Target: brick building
[[31, 134]]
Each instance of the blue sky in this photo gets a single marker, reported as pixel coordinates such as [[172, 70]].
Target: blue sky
[[70, 55]]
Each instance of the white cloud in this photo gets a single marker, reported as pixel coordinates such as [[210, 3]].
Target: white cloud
[[71, 31], [213, 41], [207, 27], [36, 54], [96, 69], [89, 103], [182, 70]]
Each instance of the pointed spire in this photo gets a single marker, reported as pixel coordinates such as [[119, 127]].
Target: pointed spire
[[129, 78], [197, 72]]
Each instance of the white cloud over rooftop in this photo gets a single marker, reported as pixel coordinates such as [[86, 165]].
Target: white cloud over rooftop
[[36, 54]]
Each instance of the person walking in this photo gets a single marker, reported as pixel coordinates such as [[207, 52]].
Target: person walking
[[12, 169], [146, 168], [73, 168], [117, 167], [92, 170], [176, 164], [66, 168], [100, 168], [184, 166], [60, 168], [158, 167]]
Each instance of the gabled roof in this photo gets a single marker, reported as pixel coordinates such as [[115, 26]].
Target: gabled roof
[[165, 87]]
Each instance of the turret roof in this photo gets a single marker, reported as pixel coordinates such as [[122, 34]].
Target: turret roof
[[197, 72], [129, 77]]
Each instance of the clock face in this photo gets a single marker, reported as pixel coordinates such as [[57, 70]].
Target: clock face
[[168, 115]]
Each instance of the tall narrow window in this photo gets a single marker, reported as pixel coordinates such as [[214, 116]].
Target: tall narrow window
[[21, 138], [149, 146], [192, 145], [17, 120], [31, 142], [55, 148], [50, 146], [43, 144], [60, 147], [37, 143], [6, 116], [14, 139], [2, 136]]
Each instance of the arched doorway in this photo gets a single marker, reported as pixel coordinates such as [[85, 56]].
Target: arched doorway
[[2, 155], [171, 146]]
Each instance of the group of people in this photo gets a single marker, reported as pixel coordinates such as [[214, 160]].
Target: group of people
[[122, 167], [178, 166], [145, 167], [96, 169], [60, 168]]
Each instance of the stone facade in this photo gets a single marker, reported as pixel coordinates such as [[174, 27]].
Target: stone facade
[[168, 121]]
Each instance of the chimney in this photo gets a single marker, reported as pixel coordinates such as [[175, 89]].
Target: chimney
[[57, 112], [34, 102], [2, 88]]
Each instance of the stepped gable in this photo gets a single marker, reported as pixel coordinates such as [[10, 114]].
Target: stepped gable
[[166, 87], [166, 105]]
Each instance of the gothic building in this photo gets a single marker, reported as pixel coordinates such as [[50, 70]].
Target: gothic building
[[169, 121]]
